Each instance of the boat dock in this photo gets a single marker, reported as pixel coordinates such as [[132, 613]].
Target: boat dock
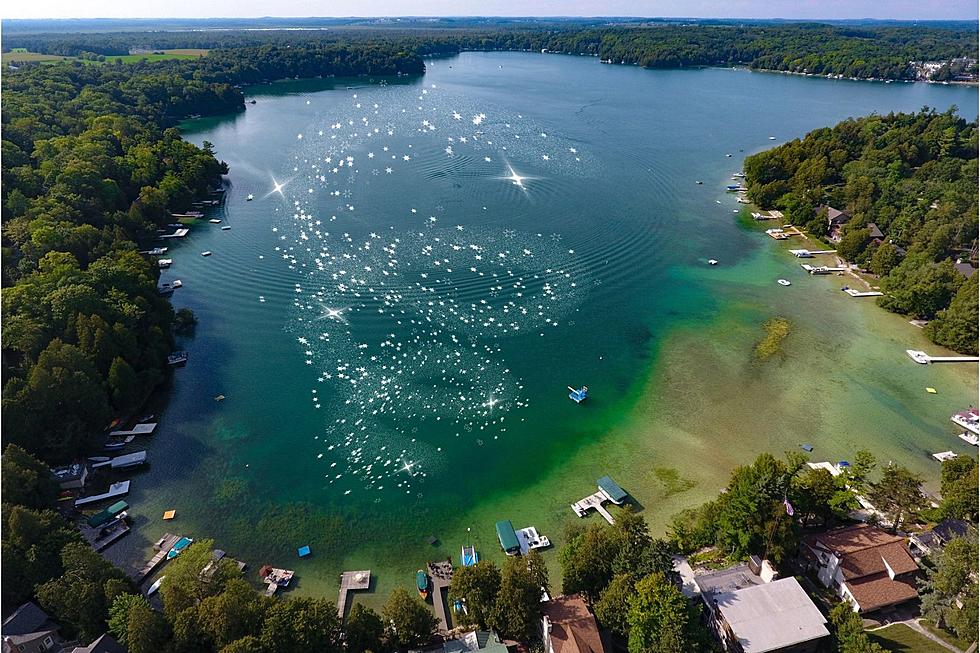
[[968, 419], [783, 233], [593, 502], [180, 233], [806, 253], [139, 429], [351, 581], [441, 574], [821, 269], [162, 547], [124, 461], [857, 293], [530, 539], [923, 358], [101, 537], [275, 578], [115, 490]]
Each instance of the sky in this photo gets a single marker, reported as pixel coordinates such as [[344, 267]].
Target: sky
[[802, 9]]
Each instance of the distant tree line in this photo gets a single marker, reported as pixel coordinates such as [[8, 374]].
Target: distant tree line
[[914, 176], [865, 51]]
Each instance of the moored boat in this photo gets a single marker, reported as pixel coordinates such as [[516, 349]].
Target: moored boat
[[155, 586], [468, 556], [422, 584], [179, 546]]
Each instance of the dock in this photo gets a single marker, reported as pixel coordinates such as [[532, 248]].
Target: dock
[[180, 233], [139, 429], [530, 539], [858, 293], [123, 462], [968, 419], [593, 502], [785, 232], [441, 574], [101, 537], [162, 547], [351, 581], [923, 358], [943, 456], [807, 253], [821, 269], [275, 578], [115, 490]]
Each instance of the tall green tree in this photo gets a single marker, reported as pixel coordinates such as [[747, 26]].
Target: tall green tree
[[523, 580], [612, 608], [136, 625], [364, 630], [958, 486], [408, 622], [949, 593], [848, 631], [26, 480], [661, 620], [897, 494], [477, 586], [303, 624]]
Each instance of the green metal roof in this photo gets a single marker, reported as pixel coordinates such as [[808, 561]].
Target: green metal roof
[[610, 487], [507, 536], [117, 507]]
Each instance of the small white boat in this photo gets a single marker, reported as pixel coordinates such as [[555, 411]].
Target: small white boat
[[206, 252], [155, 586], [783, 282], [772, 138], [214, 221], [712, 261], [165, 262], [177, 283], [249, 198], [225, 228]]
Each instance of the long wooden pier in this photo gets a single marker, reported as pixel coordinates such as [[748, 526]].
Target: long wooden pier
[[162, 546], [351, 581], [923, 358], [442, 576]]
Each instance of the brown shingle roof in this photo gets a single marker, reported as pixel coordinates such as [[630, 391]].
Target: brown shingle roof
[[872, 561], [573, 628], [880, 591], [850, 539]]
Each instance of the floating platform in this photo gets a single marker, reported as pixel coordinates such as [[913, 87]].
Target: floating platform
[[115, 490], [580, 395], [351, 581], [530, 539], [857, 293]]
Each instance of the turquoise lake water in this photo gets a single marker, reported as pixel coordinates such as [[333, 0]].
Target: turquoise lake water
[[428, 263]]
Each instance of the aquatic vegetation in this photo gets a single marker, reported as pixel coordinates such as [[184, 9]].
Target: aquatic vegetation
[[672, 481], [777, 329]]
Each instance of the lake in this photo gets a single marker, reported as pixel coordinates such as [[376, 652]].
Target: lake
[[428, 264]]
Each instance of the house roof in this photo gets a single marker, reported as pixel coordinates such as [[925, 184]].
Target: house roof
[[880, 591], [103, 644], [872, 560], [573, 628], [771, 616], [726, 580], [611, 488], [874, 231], [842, 541], [947, 530], [966, 269], [28, 618], [835, 216]]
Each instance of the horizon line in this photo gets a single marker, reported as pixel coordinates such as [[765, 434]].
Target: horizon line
[[497, 16]]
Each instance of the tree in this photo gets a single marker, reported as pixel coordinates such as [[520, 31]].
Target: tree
[[26, 480], [860, 469], [81, 596], [235, 613], [884, 259], [302, 624], [136, 625], [817, 494], [32, 545], [247, 644], [408, 622], [184, 321], [897, 494], [185, 587], [661, 620], [124, 386], [958, 486], [477, 586], [853, 243], [522, 582], [587, 560], [949, 593], [613, 605], [956, 326], [848, 630], [365, 630]]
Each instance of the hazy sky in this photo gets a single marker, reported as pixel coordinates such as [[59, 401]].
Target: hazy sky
[[904, 9]]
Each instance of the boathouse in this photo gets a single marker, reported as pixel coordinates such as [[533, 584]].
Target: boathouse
[[507, 537], [612, 490]]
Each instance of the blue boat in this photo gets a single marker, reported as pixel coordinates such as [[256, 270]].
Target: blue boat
[[580, 395], [469, 556], [112, 445], [179, 546]]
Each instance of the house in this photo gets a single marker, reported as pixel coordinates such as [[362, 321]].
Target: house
[[29, 630], [567, 626], [477, 640], [750, 611], [103, 644], [71, 477], [835, 220], [934, 539], [965, 268], [875, 233], [866, 566], [775, 616]]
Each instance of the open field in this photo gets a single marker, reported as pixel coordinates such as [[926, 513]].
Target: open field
[[22, 55]]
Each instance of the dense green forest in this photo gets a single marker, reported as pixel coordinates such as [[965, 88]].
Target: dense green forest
[[915, 177], [92, 168], [883, 52]]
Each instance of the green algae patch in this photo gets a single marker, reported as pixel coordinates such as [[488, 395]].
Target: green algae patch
[[671, 481], [777, 329]]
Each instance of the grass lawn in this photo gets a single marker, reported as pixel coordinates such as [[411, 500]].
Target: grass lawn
[[945, 634], [899, 637], [21, 54]]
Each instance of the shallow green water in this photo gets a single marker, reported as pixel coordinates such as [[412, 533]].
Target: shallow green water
[[395, 346]]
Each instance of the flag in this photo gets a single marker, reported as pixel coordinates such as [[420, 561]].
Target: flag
[[789, 507]]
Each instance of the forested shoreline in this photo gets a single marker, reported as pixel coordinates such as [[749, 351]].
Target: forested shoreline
[[879, 52], [913, 177]]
